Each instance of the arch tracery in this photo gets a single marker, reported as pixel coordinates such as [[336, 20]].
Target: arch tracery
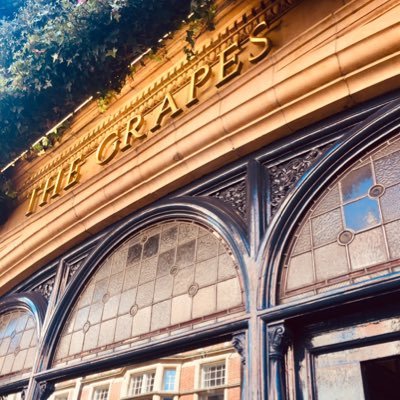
[[172, 275], [351, 233]]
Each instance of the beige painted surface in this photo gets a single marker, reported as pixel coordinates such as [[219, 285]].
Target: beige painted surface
[[323, 61]]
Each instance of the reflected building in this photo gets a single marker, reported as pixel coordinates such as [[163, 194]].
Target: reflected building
[[210, 373], [228, 229]]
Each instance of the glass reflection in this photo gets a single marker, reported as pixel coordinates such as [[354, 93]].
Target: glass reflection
[[356, 183], [361, 214], [338, 374], [14, 396], [207, 373], [381, 378]]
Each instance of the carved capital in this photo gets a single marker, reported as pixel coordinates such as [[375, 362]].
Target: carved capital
[[278, 340], [239, 342]]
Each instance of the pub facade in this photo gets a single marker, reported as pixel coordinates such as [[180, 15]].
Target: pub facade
[[229, 228]]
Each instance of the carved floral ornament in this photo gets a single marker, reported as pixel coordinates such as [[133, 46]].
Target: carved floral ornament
[[244, 43]]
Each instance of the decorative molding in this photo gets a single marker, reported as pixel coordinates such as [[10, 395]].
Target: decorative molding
[[283, 177], [46, 287], [236, 196], [239, 342], [72, 269], [172, 80]]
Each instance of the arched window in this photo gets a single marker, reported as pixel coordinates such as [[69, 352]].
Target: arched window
[[352, 233], [172, 276], [18, 345]]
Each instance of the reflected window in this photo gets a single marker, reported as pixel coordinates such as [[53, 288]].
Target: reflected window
[[142, 383], [100, 393], [169, 379], [206, 373], [213, 375], [351, 234]]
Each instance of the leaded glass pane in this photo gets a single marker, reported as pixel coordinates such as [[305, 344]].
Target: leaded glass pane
[[356, 183], [326, 227], [162, 279], [18, 345], [352, 232], [361, 214]]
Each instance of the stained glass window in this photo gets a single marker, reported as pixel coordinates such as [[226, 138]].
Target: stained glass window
[[172, 276], [352, 233], [18, 345]]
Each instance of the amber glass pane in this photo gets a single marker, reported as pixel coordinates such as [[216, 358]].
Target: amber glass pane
[[171, 276], [352, 231]]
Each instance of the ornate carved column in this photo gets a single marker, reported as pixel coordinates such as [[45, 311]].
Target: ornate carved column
[[278, 341]]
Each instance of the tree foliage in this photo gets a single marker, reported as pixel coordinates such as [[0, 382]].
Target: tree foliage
[[56, 53]]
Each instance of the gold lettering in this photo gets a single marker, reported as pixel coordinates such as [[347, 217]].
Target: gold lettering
[[73, 173], [168, 106], [225, 63], [48, 187], [264, 41], [110, 140], [57, 184], [32, 202], [132, 129], [198, 79]]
